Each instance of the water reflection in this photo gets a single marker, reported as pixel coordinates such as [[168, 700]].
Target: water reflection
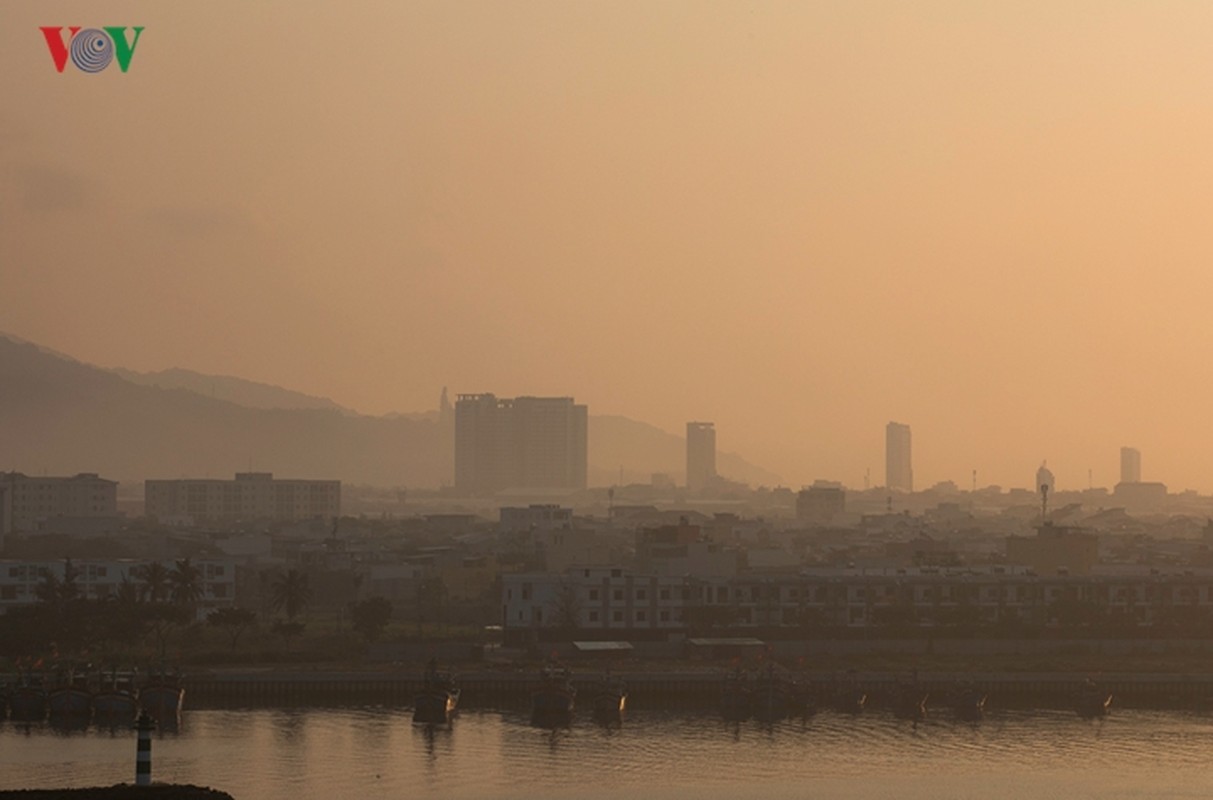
[[308, 754]]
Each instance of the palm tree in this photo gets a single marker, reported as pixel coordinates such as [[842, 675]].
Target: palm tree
[[185, 583], [154, 579], [56, 591], [290, 593]]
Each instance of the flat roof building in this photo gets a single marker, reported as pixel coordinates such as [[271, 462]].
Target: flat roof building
[[519, 443], [28, 502], [251, 495]]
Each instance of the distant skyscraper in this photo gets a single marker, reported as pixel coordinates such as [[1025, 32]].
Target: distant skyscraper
[[1130, 465], [523, 443], [701, 455], [898, 469]]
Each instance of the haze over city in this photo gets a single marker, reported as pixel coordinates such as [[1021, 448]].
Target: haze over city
[[797, 221]]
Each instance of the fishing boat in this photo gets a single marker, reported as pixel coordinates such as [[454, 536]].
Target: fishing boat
[[771, 696], [609, 698], [553, 700], [162, 696], [735, 695], [438, 696], [1092, 701], [970, 704], [27, 698], [70, 698], [910, 703], [849, 699], [117, 698]]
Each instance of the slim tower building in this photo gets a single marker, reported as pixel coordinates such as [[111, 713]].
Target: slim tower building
[[899, 474], [1130, 465], [701, 455]]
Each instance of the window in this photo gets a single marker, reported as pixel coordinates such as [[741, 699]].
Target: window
[[640, 616], [665, 594], [616, 573], [593, 616], [641, 594], [593, 594], [618, 595], [617, 616], [665, 616]]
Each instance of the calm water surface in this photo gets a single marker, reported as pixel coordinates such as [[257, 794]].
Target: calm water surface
[[377, 752]]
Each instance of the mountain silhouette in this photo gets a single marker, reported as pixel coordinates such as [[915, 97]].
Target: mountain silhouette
[[59, 416]]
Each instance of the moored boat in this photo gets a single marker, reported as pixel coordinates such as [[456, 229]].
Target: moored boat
[[438, 698], [771, 697], [162, 696], [970, 704], [609, 698], [117, 699], [27, 699], [1092, 701], [735, 695], [70, 698], [554, 699]]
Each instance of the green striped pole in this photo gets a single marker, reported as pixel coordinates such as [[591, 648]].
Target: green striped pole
[[143, 750]]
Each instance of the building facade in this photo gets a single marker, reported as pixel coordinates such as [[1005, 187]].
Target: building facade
[[817, 505], [1130, 465], [251, 495], [28, 502], [97, 579], [701, 455], [523, 443], [615, 599], [898, 466]]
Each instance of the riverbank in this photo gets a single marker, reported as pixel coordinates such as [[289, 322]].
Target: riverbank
[[121, 791], [666, 687]]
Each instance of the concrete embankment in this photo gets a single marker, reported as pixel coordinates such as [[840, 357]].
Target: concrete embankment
[[124, 791], [481, 688]]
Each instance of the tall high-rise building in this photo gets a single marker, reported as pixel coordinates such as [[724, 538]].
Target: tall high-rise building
[[1130, 465], [520, 443], [899, 474], [701, 455]]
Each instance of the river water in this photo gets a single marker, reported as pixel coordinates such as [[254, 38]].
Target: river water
[[315, 754]]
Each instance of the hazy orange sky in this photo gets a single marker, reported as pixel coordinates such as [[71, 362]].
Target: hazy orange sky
[[990, 221]]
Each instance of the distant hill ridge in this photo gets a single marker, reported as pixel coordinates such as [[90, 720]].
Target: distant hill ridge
[[61, 416]]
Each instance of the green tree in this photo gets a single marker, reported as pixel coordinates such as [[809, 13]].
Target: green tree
[[185, 584], [234, 621], [153, 578], [161, 619], [371, 617], [290, 593]]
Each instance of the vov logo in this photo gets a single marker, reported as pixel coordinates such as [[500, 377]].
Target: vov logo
[[91, 49]]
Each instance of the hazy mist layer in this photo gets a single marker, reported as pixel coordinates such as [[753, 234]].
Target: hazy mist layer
[[988, 221]]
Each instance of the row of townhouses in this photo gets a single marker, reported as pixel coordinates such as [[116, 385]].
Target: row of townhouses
[[101, 578], [614, 598]]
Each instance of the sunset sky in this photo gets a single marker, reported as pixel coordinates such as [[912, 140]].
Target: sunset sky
[[990, 221]]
